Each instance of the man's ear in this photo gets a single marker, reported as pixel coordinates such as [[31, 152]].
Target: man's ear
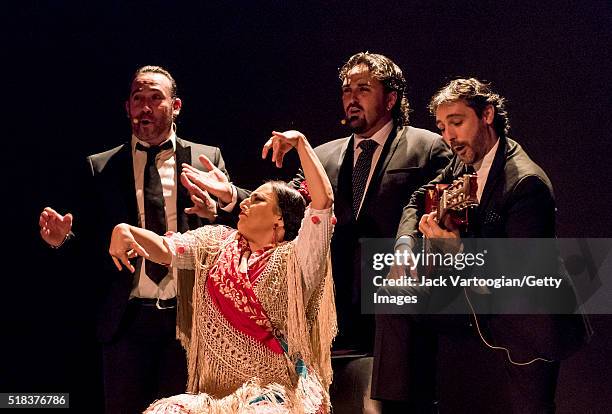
[[127, 109], [177, 104], [391, 100], [488, 114]]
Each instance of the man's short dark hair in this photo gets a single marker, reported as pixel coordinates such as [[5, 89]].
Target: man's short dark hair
[[160, 70], [389, 74], [477, 95]]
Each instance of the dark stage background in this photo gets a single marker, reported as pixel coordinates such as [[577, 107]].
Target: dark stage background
[[246, 67]]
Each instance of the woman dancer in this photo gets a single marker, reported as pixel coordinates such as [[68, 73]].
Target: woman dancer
[[256, 312]]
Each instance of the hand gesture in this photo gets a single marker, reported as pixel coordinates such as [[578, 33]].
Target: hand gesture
[[281, 143], [213, 181], [54, 227], [203, 204], [123, 247]]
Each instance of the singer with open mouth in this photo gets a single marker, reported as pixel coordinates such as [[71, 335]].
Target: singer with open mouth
[[373, 172], [136, 182]]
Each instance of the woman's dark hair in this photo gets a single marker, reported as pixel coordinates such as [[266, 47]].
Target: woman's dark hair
[[291, 205]]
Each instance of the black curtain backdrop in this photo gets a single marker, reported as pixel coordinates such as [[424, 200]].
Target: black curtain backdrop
[[244, 68]]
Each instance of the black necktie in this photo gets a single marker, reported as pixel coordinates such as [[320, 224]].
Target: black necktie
[[469, 169], [154, 205], [361, 171]]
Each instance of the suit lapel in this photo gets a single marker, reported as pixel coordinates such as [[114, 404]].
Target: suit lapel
[[125, 176], [385, 157], [334, 166], [344, 179], [341, 178], [182, 155], [495, 173], [387, 153]]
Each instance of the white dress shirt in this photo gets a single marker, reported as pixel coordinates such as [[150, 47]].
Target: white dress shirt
[[166, 165], [483, 167], [380, 137]]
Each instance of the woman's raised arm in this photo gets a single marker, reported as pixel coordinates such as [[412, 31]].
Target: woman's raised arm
[[319, 187]]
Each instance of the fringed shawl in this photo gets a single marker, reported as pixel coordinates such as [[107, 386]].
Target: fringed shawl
[[308, 328]]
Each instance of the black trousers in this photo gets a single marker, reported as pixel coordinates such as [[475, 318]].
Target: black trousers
[[404, 373], [145, 362]]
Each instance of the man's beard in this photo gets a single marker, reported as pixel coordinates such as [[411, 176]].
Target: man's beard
[[154, 132], [358, 125], [476, 150]]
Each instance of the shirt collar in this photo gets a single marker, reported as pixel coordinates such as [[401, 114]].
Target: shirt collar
[[379, 136], [172, 138], [487, 160]]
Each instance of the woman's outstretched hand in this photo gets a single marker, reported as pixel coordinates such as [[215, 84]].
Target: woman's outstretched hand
[[123, 246]]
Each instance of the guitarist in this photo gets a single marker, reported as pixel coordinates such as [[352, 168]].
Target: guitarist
[[515, 200]]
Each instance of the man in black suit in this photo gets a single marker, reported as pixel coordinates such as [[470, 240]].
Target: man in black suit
[[373, 173], [142, 360], [515, 200]]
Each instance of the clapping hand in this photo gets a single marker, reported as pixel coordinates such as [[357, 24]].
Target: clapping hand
[[54, 227], [203, 204], [213, 181]]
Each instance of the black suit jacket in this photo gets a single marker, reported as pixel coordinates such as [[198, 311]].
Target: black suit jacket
[[110, 200], [517, 202], [410, 158]]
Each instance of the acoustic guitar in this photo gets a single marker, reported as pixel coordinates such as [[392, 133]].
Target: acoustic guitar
[[452, 200]]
